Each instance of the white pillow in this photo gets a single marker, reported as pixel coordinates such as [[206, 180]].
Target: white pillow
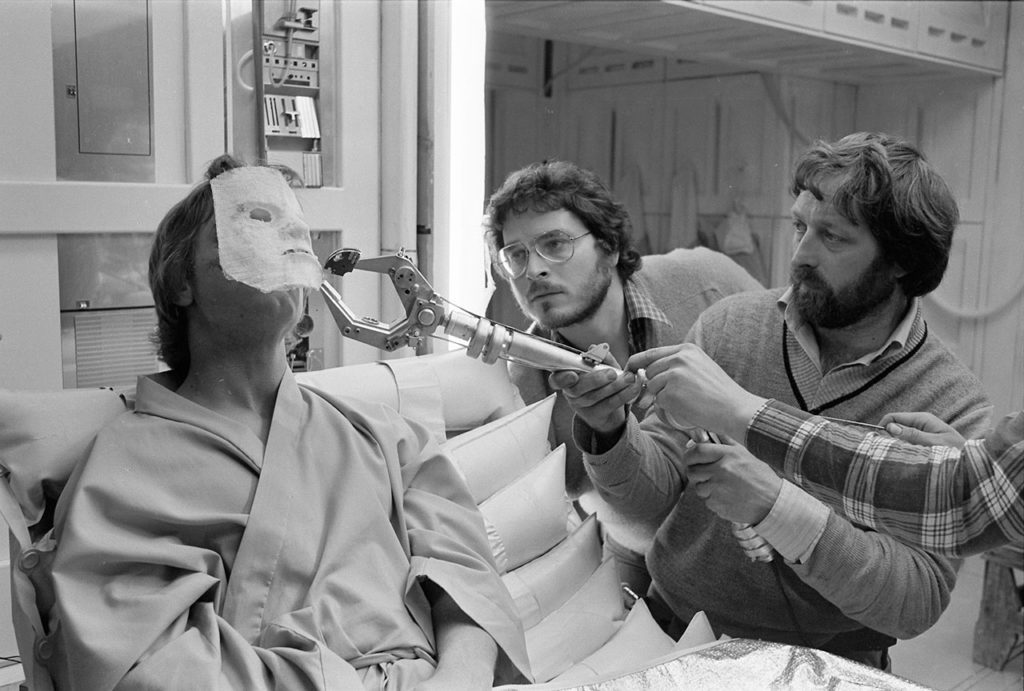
[[493, 455], [529, 516], [580, 626], [472, 392], [637, 640], [540, 586], [374, 382], [446, 392], [44, 435]]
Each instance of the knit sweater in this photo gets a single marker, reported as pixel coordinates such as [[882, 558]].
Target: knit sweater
[[854, 578]]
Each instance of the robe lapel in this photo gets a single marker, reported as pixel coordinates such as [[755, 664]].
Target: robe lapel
[[267, 529]]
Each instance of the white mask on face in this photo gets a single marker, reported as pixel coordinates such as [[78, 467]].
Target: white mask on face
[[262, 238]]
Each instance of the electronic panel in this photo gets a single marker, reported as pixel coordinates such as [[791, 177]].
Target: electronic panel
[[286, 39]]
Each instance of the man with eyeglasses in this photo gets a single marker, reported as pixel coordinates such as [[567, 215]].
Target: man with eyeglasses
[[564, 244]]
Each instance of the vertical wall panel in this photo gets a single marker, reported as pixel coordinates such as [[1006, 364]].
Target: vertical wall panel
[[951, 123], [587, 132], [1002, 368], [516, 137]]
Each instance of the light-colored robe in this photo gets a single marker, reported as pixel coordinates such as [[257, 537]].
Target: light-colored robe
[[191, 557]]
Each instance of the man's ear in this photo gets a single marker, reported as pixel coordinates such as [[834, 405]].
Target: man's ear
[[184, 296]]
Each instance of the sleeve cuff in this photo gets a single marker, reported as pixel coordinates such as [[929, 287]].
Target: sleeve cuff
[[756, 422], [795, 523]]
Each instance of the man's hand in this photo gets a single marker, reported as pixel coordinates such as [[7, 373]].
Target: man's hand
[[694, 391], [599, 397], [922, 428], [731, 481]]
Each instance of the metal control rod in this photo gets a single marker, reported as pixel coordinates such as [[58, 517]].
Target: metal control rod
[[491, 341]]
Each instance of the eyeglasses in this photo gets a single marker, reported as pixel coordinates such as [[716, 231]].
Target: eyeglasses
[[555, 246]]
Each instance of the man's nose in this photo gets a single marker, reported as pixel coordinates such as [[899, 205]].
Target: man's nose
[[536, 265], [805, 250]]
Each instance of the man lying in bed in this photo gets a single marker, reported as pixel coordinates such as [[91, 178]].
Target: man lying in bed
[[239, 531]]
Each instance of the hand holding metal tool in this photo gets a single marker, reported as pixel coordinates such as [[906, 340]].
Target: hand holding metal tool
[[754, 546]]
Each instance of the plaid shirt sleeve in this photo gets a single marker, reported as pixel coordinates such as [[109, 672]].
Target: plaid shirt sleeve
[[948, 501]]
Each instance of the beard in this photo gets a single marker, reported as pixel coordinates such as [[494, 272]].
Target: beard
[[590, 299], [823, 306]]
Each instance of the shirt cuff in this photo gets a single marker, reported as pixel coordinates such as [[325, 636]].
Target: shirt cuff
[[795, 523], [756, 423]]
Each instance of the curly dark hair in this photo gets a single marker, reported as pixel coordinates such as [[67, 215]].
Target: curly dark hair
[[886, 184], [556, 185]]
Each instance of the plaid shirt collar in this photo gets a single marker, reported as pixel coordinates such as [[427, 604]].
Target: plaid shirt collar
[[642, 316]]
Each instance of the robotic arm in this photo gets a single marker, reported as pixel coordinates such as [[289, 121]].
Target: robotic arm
[[426, 312]]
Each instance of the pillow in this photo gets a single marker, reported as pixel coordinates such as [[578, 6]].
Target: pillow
[[447, 392], [44, 435], [637, 640], [580, 626], [375, 383], [472, 392], [698, 632], [530, 515], [539, 587], [492, 456]]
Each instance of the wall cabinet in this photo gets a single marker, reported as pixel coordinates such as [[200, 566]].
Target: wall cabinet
[[971, 32]]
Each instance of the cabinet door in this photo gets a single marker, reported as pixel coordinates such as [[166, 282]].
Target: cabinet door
[[809, 14], [889, 23], [973, 32]]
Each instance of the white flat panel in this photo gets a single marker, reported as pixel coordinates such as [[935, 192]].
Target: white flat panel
[[8, 643], [744, 119], [29, 313], [970, 31], [516, 133], [886, 22], [27, 157], [690, 134], [587, 133], [954, 135], [112, 60], [809, 14]]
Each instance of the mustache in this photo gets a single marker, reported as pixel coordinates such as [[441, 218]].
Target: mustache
[[807, 276], [539, 288]]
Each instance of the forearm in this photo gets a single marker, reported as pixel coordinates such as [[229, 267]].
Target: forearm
[[640, 475], [878, 581], [978, 506]]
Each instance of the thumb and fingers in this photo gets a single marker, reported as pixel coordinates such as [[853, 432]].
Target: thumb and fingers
[[921, 428]]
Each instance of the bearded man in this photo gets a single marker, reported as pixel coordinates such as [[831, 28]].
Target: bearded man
[[564, 244], [874, 224]]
